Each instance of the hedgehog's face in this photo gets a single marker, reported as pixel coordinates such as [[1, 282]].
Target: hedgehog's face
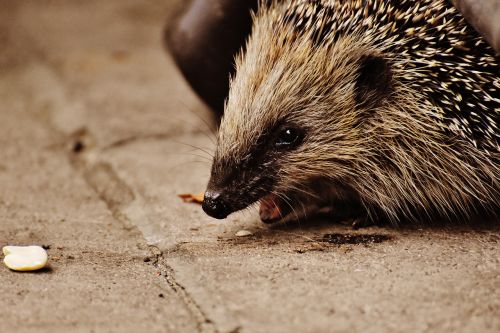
[[291, 121], [241, 178]]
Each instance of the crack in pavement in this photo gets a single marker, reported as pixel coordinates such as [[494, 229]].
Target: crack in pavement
[[82, 152], [116, 194], [137, 138], [204, 324]]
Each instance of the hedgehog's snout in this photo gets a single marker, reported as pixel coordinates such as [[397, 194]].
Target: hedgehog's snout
[[215, 205]]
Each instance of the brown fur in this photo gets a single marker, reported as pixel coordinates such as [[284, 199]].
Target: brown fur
[[391, 156]]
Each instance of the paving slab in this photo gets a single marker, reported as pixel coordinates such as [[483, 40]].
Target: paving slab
[[110, 134], [102, 275], [97, 279]]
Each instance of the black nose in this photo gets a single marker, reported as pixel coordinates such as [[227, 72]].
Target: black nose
[[214, 205]]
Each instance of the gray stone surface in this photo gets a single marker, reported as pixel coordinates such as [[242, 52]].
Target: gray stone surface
[[97, 279], [96, 73]]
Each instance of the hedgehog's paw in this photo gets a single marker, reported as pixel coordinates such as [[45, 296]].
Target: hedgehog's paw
[[362, 222]]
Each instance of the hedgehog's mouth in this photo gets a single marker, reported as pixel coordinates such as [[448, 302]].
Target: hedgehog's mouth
[[275, 208], [272, 209]]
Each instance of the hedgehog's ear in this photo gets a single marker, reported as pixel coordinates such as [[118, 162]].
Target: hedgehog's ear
[[373, 82]]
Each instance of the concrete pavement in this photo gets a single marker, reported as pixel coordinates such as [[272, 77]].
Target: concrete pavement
[[97, 130]]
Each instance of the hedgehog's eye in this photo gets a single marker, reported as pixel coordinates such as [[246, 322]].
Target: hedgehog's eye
[[288, 138]]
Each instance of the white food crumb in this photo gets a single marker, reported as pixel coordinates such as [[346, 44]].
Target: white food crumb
[[25, 258], [243, 233]]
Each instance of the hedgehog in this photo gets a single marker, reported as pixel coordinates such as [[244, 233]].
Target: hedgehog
[[382, 110]]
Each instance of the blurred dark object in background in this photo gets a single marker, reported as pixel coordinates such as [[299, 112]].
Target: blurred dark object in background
[[204, 42], [484, 15], [205, 39]]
